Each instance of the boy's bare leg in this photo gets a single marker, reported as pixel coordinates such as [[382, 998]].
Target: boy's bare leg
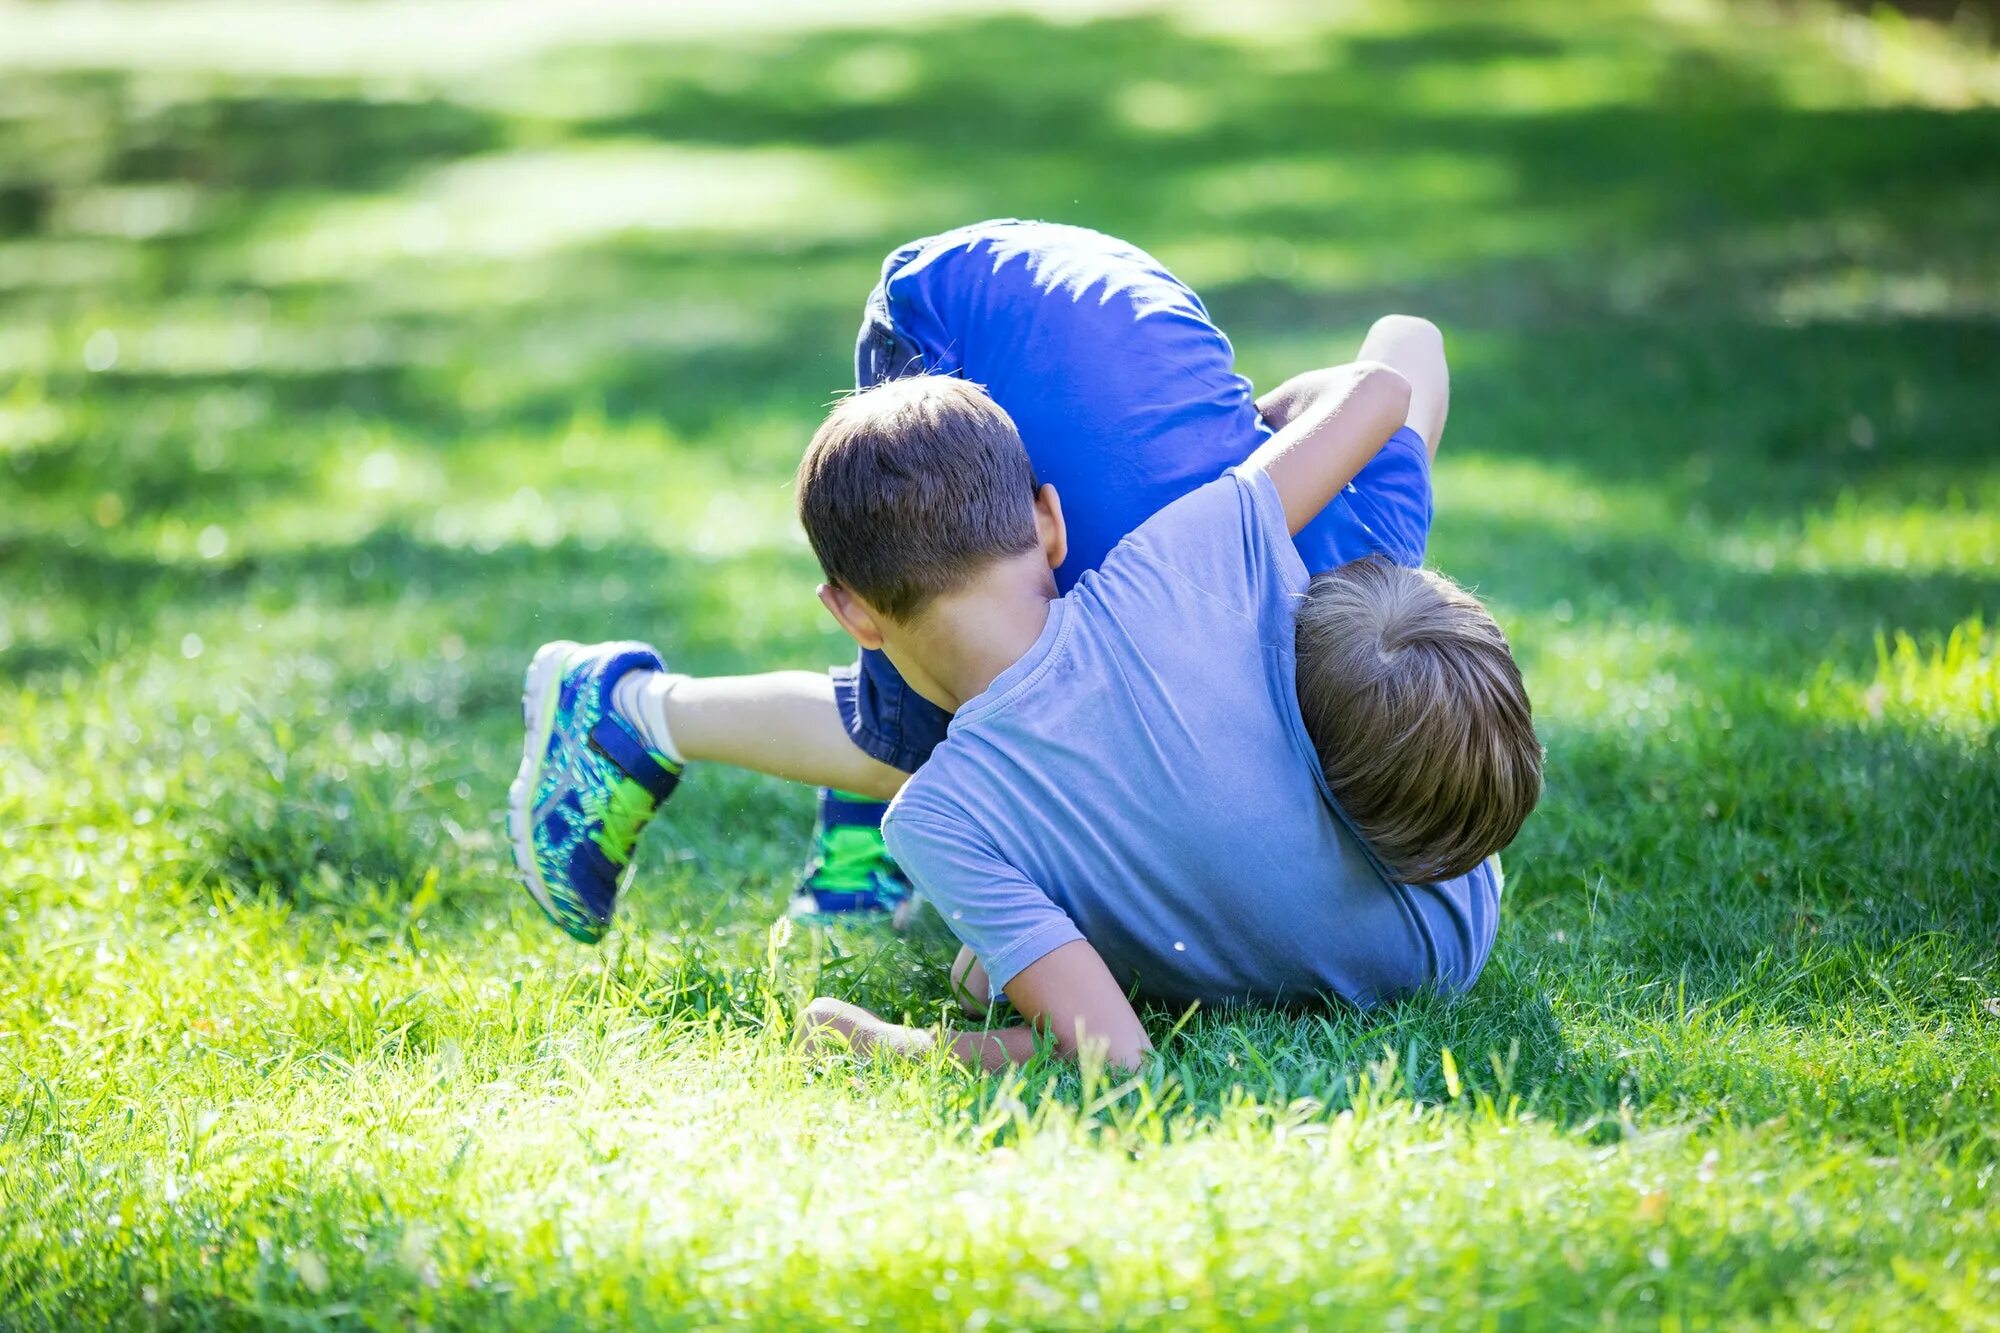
[[1415, 348], [784, 723], [1411, 346]]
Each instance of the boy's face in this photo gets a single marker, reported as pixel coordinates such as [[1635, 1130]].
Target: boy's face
[[919, 644]]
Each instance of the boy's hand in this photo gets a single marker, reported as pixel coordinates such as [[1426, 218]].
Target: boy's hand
[[830, 1024], [834, 1025], [1408, 344], [1068, 993], [1335, 421]]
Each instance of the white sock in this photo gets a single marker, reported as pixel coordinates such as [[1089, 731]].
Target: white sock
[[640, 697]]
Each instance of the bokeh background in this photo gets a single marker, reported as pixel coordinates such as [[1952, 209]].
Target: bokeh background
[[348, 351]]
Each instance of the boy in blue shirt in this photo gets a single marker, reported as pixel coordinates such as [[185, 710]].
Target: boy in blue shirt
[[1133, 795]]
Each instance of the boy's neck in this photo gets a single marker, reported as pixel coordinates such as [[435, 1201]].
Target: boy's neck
[[965, 640]]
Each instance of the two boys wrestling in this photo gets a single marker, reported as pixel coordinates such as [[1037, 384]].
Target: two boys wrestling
[[1166, 703]]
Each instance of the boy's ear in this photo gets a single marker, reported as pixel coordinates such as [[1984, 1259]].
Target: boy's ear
[[1050, 530], [855, 616]]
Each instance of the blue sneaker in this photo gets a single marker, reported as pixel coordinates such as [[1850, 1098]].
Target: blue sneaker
[[588, 785], [851, 876]]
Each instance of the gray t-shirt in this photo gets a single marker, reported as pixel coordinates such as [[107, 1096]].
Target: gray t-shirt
[[1141, 778]]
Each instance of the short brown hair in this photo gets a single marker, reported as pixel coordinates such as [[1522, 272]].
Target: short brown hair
[[1417, 710], [909, 488]]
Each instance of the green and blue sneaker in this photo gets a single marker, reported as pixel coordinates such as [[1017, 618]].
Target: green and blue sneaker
[[851, 876], [588, 785]]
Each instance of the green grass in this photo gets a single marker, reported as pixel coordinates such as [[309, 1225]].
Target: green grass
[[347, 355]]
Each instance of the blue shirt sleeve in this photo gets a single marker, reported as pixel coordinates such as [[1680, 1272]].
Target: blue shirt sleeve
[[1226, 541], [993, 908]]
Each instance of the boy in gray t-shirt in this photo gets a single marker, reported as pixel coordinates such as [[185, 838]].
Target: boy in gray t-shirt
[[1141, 778], [1130, 797]]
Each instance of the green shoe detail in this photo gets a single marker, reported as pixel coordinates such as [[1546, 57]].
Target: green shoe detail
[[625, 815], [846, 858], [852, 875]]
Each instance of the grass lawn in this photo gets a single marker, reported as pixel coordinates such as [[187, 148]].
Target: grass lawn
[[348, 352]]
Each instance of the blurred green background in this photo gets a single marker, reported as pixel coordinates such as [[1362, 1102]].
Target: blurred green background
[[348, 351]]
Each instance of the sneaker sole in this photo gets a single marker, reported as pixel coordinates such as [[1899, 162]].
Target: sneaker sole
[[541, 689]]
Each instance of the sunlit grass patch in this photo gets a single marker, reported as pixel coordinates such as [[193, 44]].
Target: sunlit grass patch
[[1861, 291], [1640, 674], [700, 496], [524, 204], [1478, 490], [593, 1176], [1953, 684], [1307, 182], [1877, 532]]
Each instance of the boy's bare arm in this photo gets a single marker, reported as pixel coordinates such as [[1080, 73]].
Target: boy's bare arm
[[1332, 428], [1068, 993]]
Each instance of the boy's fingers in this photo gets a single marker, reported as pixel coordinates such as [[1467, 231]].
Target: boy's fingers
[[825, 1025]]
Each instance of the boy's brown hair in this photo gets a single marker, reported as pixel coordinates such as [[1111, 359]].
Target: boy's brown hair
[[1419, 715], [910, 487]]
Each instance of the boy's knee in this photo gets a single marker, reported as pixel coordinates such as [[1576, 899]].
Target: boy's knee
[[1412, 327], [1415, 347]]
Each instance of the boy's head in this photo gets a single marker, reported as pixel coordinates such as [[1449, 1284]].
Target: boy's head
[[910, 491], [1418, 713]]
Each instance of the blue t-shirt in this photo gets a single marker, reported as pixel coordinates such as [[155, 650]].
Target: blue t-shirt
[[1142, 778], [1124, 390]]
